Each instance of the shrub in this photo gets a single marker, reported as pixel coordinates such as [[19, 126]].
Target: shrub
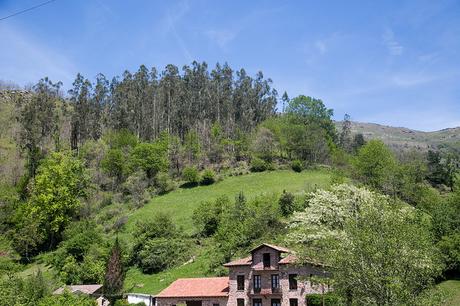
[[258, 165], [208, 177], [162, 253], [330, 299], [114, 163], [207, 216], [296, 165], [149, 157], [191, 176], [286, 203], [136, 187], [160, 225], [164, 183]]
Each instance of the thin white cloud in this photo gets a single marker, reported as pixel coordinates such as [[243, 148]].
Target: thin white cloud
[[221, 37], [411, 80], [321, 46], [389, 40], [174, 16], [25, 60]]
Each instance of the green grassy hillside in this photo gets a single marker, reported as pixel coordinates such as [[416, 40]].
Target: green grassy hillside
[[181, 204]]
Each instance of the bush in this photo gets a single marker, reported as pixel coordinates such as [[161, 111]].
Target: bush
[[208, 177], [286, 203], [164, 183], [162, 253], [207, 216], [330, 299], [296, 165], [136, 187], [191, 176], [258, 165]]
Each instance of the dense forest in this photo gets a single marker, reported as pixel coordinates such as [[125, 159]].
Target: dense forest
[[75, 165]]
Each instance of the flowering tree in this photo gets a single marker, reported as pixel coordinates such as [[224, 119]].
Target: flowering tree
[[379, 253]]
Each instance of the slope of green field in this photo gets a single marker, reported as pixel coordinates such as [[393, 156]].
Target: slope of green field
[[181, 203], [451, 288]]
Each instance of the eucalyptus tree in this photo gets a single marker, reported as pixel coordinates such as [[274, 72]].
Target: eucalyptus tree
[[80, 97], [101, 106], [37, 117]]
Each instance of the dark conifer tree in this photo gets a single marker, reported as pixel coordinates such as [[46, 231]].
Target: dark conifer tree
[[114, 275]]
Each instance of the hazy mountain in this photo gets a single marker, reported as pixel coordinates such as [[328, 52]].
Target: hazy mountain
[[401, 138]]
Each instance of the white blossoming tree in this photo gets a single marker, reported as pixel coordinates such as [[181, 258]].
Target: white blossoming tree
[[379, 252]]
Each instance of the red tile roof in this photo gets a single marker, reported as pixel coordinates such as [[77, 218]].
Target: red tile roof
[[290, 259], [196, 287], [247, 261], [87, 289]]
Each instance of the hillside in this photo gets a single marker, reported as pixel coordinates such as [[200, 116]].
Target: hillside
[[181, 204], [400, 138]]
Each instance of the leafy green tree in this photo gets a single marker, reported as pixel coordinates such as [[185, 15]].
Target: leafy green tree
[[449, 245], [27, 236], [67, 299], [81, 256], [58, 186], [114, 163], [442, 168], [375, 165], [15, 290], [307, 110], [346, 230], [150, 157], [121, 139]]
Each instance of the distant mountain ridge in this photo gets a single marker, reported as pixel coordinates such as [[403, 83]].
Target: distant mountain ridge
[[401, 138]]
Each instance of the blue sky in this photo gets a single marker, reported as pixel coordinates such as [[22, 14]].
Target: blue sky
[[389, 62]]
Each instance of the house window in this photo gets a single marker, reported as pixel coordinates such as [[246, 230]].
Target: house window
[[293, 302], [256, 302], [257, 283], [276, 302], [240, 282], [293, 281], [240, 302], [266, 260], [275, 281]]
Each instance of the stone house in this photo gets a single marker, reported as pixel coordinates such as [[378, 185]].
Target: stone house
[[94, 291], [268, 277]]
